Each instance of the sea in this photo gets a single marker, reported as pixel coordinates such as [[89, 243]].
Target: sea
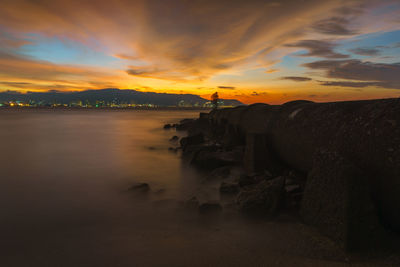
[[65, 200]]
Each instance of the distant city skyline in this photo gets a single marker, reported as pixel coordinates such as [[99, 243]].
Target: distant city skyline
[[254, 51], [106, 98]]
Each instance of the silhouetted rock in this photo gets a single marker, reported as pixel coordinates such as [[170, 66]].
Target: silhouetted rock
[[167, 126], [229, 188], [210, 160], [264, 198], [365, 132], [140, 187], [337, 200], [192, 140], [174, 138], [185, 124], [246, 180]]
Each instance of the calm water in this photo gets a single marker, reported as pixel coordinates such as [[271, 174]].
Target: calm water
[[63, 199]]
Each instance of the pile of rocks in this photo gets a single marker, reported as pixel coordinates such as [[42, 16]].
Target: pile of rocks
[[335, 164]]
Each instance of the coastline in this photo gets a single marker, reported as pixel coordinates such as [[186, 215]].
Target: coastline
[[302, 157]]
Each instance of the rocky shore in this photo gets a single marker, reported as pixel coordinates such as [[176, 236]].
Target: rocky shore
[[335, 165]]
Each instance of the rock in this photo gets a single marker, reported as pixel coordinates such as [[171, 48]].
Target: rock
[[264, 198], [219, 173], [192, 140], [140, 187], [337, 201], [167, 126], [293, 188], [229, 188], [210, 207], [257, 156], [185, 124], [210, 160], [174, 138], [246, 180]]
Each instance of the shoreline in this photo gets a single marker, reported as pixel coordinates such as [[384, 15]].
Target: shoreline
[[289, 161]]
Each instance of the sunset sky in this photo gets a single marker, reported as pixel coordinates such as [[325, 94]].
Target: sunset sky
[[254, 51]]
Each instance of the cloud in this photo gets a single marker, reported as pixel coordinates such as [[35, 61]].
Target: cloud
[[317, 48], [351, 84], [227, 87], [271, 70], [180, 38], [296, 78], [333, 26], [376, 74], [365, 51]]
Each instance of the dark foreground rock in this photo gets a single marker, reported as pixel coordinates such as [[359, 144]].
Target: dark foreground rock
[[229, 188], [192, 140], [210, 160], [264, 198], [363, 178], [337, 200]]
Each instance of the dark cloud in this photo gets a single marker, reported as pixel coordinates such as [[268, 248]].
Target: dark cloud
[[365, 51], [227, 87], [375, 74], [297, 79], [333, 26], [351, 84], [318, 48]]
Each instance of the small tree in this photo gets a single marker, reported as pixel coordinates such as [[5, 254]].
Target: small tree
[[214, 100]]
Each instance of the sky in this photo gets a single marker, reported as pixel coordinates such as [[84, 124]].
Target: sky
[[253, 50]]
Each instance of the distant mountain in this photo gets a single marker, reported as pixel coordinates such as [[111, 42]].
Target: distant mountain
[[110, 96]]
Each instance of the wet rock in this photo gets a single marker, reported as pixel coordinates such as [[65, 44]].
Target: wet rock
[[167, 126], [265, 198], [229, 188], [192, 140], [246, 180], [174, 138], [185, 124], [209, 160], [210, 207], [140, 187]]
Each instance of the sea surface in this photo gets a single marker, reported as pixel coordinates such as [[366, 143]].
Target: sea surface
[[64, 199]]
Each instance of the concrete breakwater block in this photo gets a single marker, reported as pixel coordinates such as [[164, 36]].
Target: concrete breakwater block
[[337, 201]]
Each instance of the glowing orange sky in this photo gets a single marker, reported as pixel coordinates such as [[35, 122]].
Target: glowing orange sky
[[254, 51]]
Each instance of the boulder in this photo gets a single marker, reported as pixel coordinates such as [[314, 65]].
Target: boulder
[[246, 180], [210, 160], [174, 138], [185, 124], [229, 188], [167, 126], [264, 198], [337, 201], [192, 140]]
